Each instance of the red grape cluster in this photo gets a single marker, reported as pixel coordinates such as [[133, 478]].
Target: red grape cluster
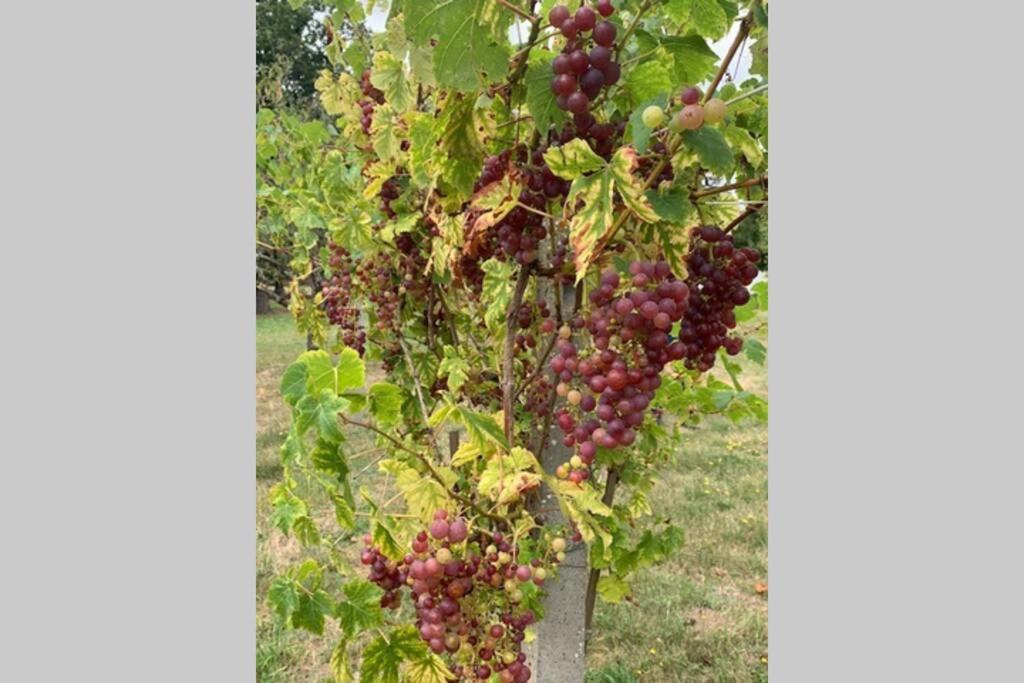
[[520, 233], [526, 317], [719, 276], [337, 299], [465, 592], [372, 97], [629, 327], [580, 75], [388, 193], [375, 275]]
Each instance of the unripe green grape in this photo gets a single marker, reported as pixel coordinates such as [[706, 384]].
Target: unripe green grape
[[443, 555], [576, 462], [558, 545], [653, 116], [714, 110], [675, 125]]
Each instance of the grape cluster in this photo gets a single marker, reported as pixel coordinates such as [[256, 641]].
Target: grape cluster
[[465, 591], [608, 392], [371, 98], [376, 277], [388, 193], [520, 233], [526, 317], [719, 276], [337, 294], [580, 75]]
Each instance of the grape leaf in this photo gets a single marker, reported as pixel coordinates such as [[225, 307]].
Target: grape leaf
[[385, 134], [711, 148], [705, 16], [591, 223], [745, 142], [497, 291], [389, 76], [423, 495], [466, 44], [755, 350], [650, 78], [360, 609], [340, 666], [629, 187], [454, 367], [429, 669], [386, 403], [311, 610], [384, 540], [507, 475], [424, 157], [539, 98], [612, 589], [293, 382], [461, 148], [573, 159], [283, 596], [671, 205], [383, 657]]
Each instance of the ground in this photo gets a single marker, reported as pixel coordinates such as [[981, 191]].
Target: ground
[[700, 617]]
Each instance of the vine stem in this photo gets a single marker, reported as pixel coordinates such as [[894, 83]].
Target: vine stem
[[595, 574], [752, 182], [508, 384], [749, 93], [419, 391], [749, 211], [745, 25], [521, 12], [426, 463]]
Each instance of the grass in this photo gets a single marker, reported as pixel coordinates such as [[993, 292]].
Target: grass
[[697, 618]]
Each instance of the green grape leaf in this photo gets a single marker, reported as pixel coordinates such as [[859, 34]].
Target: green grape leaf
[[310, 613], [287, 508], [650, 78], [339, 663], [706, 17], [424, 157], [343, 512], [755, 350], [745, 143], [508, 475], [693, 60], [293, 382], [592, 223], [671, 205], [389, 76], [351, 372], [483, 429], [572, 160], [466, 44], [386, 403], [385, 541], [385, 134], [306, 531], [455, 368], [283, 596], [361, 608], [383, 657], [711, 148], [539, 98], [612, 589], [423, 495], [461, 147], [629, 187], [429, 669], [497, 291]]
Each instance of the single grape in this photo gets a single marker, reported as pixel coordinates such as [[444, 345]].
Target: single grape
[[600, 57], [578, 62], [585, 18], [605, 8], [558, 15], [714, 110], [578, 102], [563, 85], [569, 29], [691, 96], [560, 65], [604, 33], [691, 117], [653, 116], [612, 74]]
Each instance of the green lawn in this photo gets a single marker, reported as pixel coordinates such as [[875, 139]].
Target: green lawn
[[697, 618]]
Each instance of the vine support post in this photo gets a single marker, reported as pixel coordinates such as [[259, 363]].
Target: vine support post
[[557, 654]]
